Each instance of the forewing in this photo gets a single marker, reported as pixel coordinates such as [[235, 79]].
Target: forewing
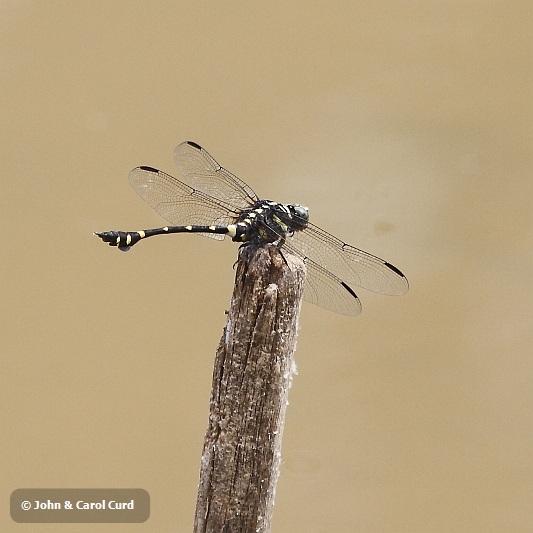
[[178, 203], [203, 173], [347, 262]]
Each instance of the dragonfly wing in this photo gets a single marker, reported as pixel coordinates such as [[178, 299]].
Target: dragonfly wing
[[347, 262], [324, 289], [203, 173], [179, 203]]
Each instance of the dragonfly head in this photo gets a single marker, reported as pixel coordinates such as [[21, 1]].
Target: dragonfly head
[[299, 215]]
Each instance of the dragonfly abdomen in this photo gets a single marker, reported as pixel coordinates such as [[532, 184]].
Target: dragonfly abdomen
[[124, 240]]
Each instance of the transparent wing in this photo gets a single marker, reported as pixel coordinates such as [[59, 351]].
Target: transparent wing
[[203, 173], [347, 262], [324, 289], [178, 203]]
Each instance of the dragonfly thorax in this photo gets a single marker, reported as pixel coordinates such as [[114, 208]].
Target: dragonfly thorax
[[267, 222]]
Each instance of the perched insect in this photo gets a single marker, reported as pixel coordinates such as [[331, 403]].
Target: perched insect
[[216, 203]]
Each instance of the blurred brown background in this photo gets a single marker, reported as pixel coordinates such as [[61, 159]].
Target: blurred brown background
[[404, 126]]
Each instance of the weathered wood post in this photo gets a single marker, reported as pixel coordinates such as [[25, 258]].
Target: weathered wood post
[[251, 379]]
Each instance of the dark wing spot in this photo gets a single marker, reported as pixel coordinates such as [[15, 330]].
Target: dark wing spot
[[149, 169], [394, 269], [349, 289], [194, 145]]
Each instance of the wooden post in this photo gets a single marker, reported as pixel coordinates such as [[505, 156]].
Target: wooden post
[[251, 379]]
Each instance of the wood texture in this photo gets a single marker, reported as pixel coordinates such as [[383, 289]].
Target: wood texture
[[251, 379]]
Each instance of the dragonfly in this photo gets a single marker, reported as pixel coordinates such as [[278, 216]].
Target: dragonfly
[[215, 203]]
